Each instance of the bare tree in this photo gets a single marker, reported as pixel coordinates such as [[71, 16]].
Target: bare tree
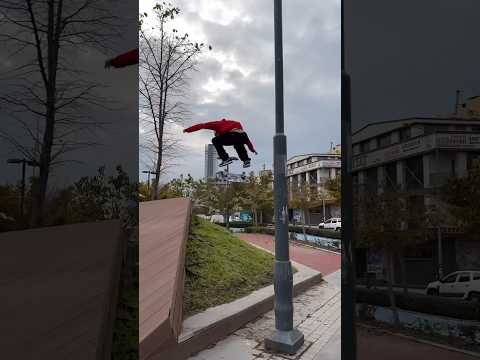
[[47, 87], [166, 60]]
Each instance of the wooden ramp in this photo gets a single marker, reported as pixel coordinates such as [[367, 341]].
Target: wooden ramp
[[58, 289], [163, 232]]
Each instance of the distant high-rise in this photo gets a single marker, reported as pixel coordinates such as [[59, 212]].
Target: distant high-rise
[[210, 162]]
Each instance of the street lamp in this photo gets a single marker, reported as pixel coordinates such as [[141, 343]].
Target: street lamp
[[284, 338], [24, 163]]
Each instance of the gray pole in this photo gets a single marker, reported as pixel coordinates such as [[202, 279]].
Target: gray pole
[[227, 210], [22, 195], [440, 253], [323, 208], [284, 339]]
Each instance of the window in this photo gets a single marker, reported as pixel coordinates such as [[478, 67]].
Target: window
[[450, 278], [405, 134], [365, 146], [476, 276], [464, 277], [385, 140]]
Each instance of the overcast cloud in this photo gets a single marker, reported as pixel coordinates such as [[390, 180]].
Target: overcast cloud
[[236, 79]]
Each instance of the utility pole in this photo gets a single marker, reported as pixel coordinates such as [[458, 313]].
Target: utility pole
[[349, 337], [149, 172], [227, 215], [24, 163], [284, 338]]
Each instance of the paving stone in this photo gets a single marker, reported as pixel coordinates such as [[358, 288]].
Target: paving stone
[[316, 314]]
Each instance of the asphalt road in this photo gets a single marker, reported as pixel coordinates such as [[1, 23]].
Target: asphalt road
[[378, 345]]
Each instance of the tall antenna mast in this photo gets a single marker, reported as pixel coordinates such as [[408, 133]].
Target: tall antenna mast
[[457, 101]]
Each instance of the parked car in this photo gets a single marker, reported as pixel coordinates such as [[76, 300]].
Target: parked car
[[217, 218], [463, 284], [333, 223]]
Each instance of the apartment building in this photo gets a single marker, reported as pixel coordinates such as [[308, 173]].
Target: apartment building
[[315, 170], [418, 155]]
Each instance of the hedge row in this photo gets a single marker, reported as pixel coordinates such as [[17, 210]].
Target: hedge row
[[297, 229], [454, 308], [239, 224], [317, 232]]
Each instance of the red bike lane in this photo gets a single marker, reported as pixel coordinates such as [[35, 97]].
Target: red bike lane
[[324, 261]]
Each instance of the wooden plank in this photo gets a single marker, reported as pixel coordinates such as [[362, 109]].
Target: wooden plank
[[58, 289], [163, 232]]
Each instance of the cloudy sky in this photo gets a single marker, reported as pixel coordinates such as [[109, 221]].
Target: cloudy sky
[[118, 138], [407, 58], [236, 79]]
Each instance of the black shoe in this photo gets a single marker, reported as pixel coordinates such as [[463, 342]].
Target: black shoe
[[225, 162], [246, 164]]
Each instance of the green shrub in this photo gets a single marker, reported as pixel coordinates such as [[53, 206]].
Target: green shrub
[[239, 224], [317, 232], [297, 229]]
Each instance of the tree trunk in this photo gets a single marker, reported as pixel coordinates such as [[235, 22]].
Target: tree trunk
[[156, 180], [303, 225], [50, 80], [401, 260], [391, 294], [40, 190]]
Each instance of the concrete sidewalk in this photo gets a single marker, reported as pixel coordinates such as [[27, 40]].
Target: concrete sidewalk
[[316, 314]]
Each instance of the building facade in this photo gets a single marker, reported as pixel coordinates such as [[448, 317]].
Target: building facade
[[418, 156], [210, 162], [316, 171]]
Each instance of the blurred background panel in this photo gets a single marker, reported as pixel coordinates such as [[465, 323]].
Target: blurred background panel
[[415, 129], [68, 175]]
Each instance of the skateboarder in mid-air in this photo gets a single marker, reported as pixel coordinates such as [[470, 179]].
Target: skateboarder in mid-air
[[227, 133]]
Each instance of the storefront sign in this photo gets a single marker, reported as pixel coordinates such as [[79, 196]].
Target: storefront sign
[[415, 147]]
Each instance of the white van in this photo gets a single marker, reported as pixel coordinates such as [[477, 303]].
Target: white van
[[333, 223], [463, 284]]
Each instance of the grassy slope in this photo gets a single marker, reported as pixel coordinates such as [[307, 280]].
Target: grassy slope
[[221, 268]]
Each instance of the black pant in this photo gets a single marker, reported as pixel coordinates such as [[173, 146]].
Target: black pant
[[235, 139]]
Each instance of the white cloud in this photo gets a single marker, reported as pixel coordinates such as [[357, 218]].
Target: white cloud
[[216, 86]]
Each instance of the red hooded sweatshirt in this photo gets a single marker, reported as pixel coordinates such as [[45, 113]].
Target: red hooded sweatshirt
[[221, 127], [126, 59]]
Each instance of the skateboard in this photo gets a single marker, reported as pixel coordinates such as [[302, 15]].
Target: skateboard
[[232, 160]]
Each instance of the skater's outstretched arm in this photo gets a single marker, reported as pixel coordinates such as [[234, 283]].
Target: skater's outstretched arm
[[211, 125]]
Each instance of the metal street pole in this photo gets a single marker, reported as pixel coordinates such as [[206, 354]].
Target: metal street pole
[[284, 338], [22, 196], [348, 336], [227, 215], [24, 163], [323, 207]]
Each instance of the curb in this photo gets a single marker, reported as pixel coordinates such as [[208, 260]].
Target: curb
[[209, 327], [426, 342]]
